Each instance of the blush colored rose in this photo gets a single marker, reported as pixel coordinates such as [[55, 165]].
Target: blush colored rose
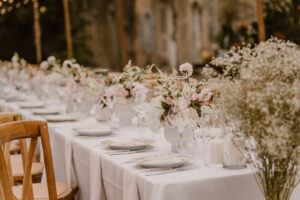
[[168, 101]]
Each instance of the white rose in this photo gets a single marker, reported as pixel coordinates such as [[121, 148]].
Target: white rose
[[67, 63], [205, 95], [44, 65], [51, 59], [186, 68]]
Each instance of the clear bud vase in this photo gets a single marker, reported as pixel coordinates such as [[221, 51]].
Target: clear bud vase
[[233, 154]]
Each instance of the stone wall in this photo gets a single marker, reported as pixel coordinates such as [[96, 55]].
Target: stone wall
[[165, 32]]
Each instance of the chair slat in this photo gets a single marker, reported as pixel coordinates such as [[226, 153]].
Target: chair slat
[[19, 130], [4, 177], [48, 162], [27, 172], [24, 152]]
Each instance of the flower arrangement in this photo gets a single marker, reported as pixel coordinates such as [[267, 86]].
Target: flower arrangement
[[177, 95], [50, 65], [263, 103], [129, 84]]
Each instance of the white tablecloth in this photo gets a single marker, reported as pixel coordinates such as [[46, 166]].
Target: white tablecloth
[[101, 176]]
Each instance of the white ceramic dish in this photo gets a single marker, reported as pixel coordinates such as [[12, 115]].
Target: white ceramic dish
[[31, 104], [11, 97], [164, 161], [128, 143], [45, 111], [94, 130], [61, 118]]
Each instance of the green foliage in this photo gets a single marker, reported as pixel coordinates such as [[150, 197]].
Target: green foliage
[[17, 33], [282, 19]]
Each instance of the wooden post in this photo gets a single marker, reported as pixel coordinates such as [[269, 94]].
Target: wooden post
[[122, 32], [37, 31], [68, 29], [260, 20]]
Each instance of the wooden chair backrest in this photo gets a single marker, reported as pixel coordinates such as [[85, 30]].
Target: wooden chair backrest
[[21, 130], [5, 118]]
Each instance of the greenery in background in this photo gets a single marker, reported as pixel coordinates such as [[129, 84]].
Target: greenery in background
[[16, 34], [282, 19]]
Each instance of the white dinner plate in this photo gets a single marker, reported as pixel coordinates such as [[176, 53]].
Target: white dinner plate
[[45, 111], [11, 97], [31, 104], [61, 118], [164, 161], [94, 130], [128, 143]]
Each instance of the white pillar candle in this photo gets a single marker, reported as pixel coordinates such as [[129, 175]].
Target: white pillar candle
[[216, 151]]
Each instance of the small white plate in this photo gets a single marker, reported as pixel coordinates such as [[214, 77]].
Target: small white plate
[[45, 111], [164, 161], [61, 118], [31, 104], [11, 97], [127, 143], [94, 130]]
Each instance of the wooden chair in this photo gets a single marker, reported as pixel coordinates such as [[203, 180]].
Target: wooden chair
[[31, 130], [17, 165], [14, 147]]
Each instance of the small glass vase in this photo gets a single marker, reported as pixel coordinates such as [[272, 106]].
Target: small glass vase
[[233, 155]]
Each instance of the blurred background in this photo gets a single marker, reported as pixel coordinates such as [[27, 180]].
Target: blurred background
[[107, 33]]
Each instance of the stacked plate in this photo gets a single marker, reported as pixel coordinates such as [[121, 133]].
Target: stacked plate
[[164, 161], [128, 143], [61, 118], [94, 130], [11, 97], [45, 111], [31, 104]]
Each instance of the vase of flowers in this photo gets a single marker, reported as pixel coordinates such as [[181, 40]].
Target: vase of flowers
[[180, 105], [261, 99]]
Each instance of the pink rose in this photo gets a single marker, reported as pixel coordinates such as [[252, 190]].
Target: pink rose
[[194, 96], [168, 100]]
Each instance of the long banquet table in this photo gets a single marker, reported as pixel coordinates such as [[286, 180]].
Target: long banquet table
[[101, 176]]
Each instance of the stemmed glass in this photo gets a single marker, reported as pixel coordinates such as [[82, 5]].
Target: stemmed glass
[[109, 102], [141, 107], [182, 121]]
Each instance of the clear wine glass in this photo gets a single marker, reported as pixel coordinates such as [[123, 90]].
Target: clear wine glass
[[181, 122], [141, 107]]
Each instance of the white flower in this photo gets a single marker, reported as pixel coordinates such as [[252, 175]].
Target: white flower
[[67, 64], [182, 103], [76, 66], [205, 95], [51, 60], [44, 65], [15, 58], [186, 68], [152, 118], [138, 89]]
